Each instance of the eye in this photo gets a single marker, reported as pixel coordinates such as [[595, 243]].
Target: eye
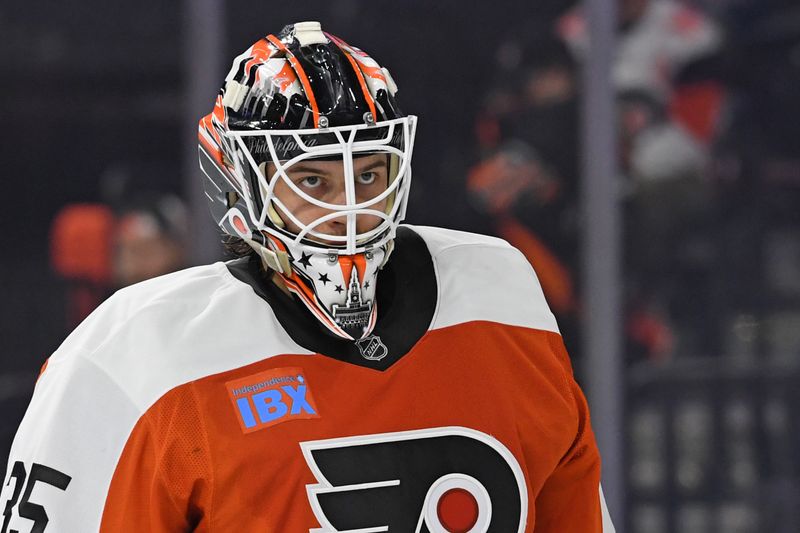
[[367, 178], [311, 182]]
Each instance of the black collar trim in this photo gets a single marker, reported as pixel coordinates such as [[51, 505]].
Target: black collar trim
[[406, 298]]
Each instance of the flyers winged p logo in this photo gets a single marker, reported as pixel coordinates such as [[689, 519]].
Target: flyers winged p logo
[[440, 480]]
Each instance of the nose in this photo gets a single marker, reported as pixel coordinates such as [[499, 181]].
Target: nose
[[339, 194], [337, 225]]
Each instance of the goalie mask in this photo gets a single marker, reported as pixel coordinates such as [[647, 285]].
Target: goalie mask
[[306, 158]]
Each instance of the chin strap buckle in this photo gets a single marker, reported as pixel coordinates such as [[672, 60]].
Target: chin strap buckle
[[277, 261]]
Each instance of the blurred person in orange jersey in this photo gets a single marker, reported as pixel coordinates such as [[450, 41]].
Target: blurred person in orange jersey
[[97, 249]]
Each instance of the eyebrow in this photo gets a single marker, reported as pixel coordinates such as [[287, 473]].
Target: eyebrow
[[377, 163], [315, 170], [306, 168]]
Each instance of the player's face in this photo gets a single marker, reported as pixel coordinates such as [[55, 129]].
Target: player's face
[[325, 181]]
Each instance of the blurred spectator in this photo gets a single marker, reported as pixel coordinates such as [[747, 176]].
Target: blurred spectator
[[535, 102], [528, 137], [657, 38], [150, 240], [526, 182], [668, 213], [96, 250], [653, 149], [668, 111]]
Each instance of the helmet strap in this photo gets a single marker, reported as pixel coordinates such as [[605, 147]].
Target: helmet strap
[[278, 261]]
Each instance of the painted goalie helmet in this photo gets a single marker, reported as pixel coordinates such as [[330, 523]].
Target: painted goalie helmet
[[306, 157]]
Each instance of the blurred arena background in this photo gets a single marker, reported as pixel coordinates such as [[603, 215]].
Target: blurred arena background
[[679, 297]]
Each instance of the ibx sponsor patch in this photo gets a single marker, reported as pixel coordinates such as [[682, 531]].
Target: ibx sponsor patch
[[271, 397]]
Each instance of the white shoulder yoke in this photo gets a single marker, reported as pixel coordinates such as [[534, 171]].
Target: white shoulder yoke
[[170, 330], [484, 278]]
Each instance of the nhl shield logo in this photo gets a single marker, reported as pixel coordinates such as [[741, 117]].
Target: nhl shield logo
[[372, 348]]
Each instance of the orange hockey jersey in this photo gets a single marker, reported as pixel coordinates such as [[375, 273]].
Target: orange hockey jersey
[[208, 400]]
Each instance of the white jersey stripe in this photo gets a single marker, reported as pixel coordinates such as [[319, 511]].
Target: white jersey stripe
[[608, 525]]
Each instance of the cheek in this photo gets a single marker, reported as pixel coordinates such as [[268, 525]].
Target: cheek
[[380, 206], [368, 222], [381, 189], [308, 213], [290, 200], [300, 209], [366, 193]]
